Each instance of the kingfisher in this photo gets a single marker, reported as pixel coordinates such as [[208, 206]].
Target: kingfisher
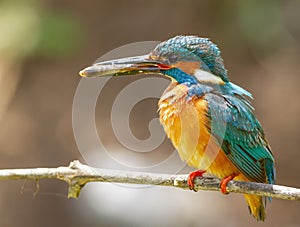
[[209, 119]]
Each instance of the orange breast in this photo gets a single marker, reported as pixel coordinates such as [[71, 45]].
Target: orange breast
[[186, 124]]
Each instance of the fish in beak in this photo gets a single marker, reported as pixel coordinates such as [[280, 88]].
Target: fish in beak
[[124, 66]]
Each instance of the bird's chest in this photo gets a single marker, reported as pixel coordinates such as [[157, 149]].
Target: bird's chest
[[185, 123]]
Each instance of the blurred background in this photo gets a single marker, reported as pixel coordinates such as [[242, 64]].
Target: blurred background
[[43, 45]]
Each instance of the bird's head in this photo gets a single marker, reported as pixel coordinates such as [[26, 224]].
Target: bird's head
[[186, 59]]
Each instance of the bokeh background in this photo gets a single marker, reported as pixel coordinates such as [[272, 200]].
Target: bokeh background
[[43, 45]]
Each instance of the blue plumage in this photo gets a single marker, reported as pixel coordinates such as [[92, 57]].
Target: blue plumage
[[193, 48], [241, 137], [180, 76]]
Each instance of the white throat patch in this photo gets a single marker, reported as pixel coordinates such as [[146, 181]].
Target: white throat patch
[[204, 76]]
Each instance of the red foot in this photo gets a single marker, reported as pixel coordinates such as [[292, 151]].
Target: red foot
[[192, 176], [225, 181]]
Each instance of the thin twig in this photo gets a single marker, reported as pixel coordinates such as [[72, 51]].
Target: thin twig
[[77, 175]]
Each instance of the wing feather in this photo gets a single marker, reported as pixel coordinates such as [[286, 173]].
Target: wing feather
[[241, 136]]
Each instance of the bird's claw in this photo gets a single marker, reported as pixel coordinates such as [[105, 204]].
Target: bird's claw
[[225, 181], [192, 176]]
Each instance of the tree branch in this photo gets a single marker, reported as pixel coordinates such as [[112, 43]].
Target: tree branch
[[77, 175]]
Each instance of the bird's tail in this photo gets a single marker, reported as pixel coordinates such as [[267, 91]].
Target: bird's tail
[[256, 205]]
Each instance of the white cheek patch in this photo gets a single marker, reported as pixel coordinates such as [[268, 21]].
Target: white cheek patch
[[204, 76]]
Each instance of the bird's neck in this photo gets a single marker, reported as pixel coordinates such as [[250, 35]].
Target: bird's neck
[[186, 91], [180, 77], [188, 86]]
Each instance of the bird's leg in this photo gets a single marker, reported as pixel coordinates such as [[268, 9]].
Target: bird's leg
[[225, 181], [192, 176]]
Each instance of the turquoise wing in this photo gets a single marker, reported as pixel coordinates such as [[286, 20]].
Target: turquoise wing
[[241, 136]]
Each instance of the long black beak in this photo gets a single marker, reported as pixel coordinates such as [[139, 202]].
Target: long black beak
[[124, 66]]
